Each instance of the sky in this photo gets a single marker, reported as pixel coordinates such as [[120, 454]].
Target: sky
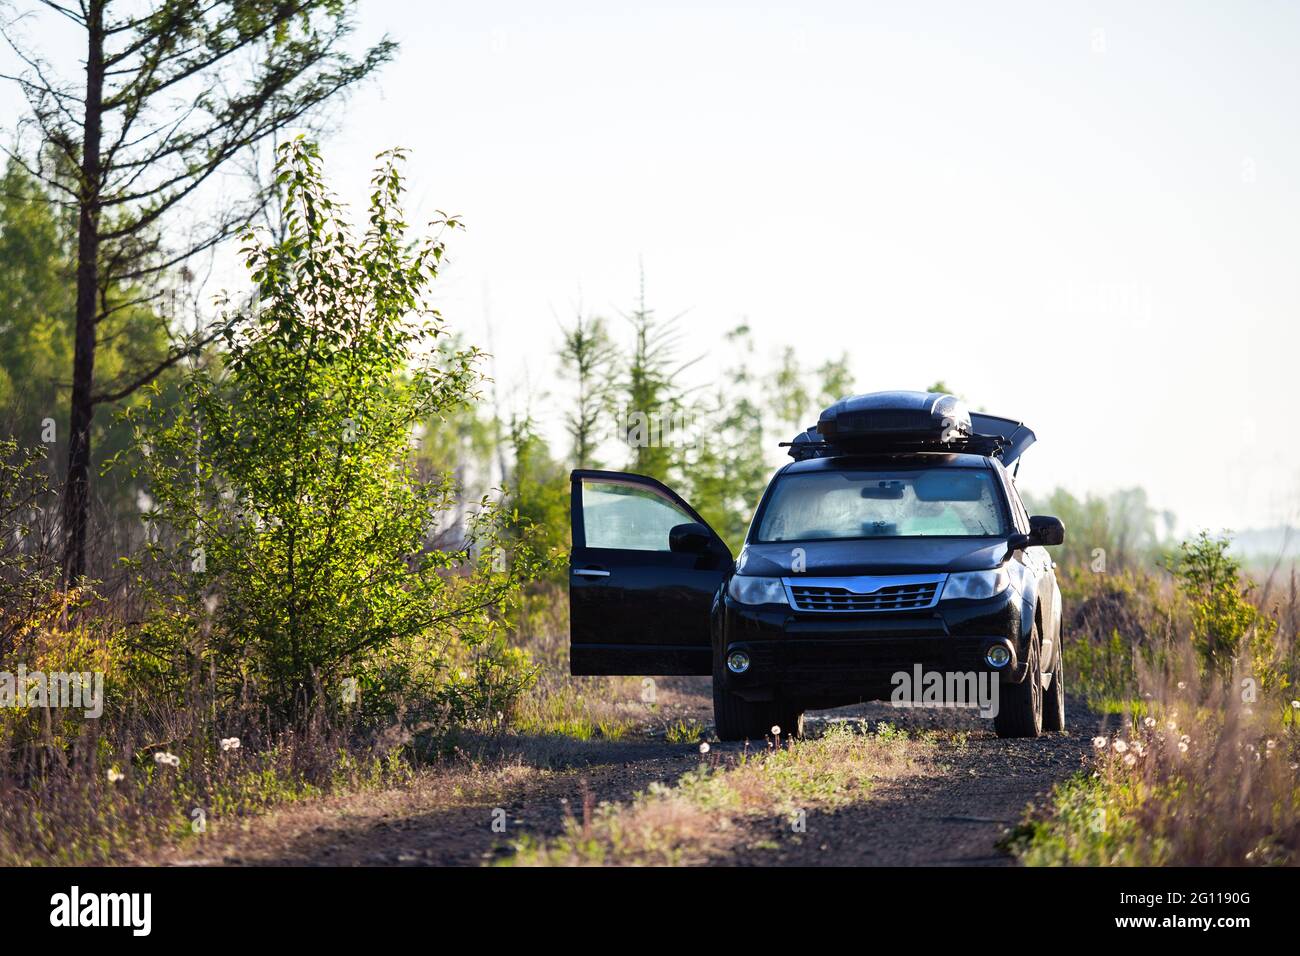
[[1085, 216]]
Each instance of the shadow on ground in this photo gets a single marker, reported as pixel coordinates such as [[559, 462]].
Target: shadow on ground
[[954, 814]]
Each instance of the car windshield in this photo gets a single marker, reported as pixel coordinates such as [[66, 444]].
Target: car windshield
[[939, 502]]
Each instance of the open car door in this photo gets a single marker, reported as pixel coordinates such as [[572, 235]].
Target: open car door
[[643, 573]]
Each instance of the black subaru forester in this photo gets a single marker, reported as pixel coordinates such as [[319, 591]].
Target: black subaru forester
[[894, 543]]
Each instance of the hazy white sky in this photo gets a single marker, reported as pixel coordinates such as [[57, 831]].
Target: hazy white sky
[[1083, 215]]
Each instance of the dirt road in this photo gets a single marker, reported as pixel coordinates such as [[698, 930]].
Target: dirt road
[[973, 787]]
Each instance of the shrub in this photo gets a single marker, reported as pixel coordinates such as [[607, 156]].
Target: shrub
[[289, 564], [1226, 626]]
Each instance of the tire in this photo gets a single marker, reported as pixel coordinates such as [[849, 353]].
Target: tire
[[735, 718], [789, 719], [1054, 699], [1020, 706]]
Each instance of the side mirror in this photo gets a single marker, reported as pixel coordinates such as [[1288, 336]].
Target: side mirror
[[1017, 542], [1045, 530], [690, 538]]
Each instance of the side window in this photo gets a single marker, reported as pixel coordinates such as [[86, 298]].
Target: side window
[[627, 516]]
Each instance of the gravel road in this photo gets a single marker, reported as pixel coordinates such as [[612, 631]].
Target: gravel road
[[976, 787], [953, 816]]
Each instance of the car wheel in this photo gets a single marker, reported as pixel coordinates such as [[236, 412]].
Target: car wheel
[[735, 718], [1054, 699], [1020, 707]]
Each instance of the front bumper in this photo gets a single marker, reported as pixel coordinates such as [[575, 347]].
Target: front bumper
[[834, 658]]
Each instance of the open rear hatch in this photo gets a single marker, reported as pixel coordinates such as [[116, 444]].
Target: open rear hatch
[[1008, 439]]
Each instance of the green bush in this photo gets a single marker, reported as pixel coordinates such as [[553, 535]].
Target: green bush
[[289, 562], [1226, 626]]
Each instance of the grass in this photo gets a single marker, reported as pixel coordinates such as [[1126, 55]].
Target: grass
[[1128, 706], [578, 708], [1205, 770], [1089, 823], [295, 832], [707, 811], [1199, 778], [73, 819], [77, 813], [684, 731]]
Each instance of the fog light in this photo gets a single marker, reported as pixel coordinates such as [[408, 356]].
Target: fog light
[[998, 655], [737, 662]]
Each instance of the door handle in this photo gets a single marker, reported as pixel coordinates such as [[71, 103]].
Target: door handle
[[590, 572]]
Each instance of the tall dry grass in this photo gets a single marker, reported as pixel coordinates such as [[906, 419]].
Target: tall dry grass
[[1205, 768]]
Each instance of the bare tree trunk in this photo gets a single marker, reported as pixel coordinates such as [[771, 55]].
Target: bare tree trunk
[[76, 495]]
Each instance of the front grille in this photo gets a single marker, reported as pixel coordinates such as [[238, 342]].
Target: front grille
[[898, 597]]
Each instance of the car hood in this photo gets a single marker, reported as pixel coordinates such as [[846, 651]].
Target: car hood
[[872, 556]]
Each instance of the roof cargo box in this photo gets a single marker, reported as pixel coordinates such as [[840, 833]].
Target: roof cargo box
[[892, 422], [897, 421]]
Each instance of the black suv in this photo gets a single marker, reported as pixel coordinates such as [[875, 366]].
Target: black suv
[[894, 544]]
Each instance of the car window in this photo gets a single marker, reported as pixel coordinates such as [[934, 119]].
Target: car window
[[628, 516], [947, 502]]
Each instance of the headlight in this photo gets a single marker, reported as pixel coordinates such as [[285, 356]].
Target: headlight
[[754, 590], [977, 584]]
